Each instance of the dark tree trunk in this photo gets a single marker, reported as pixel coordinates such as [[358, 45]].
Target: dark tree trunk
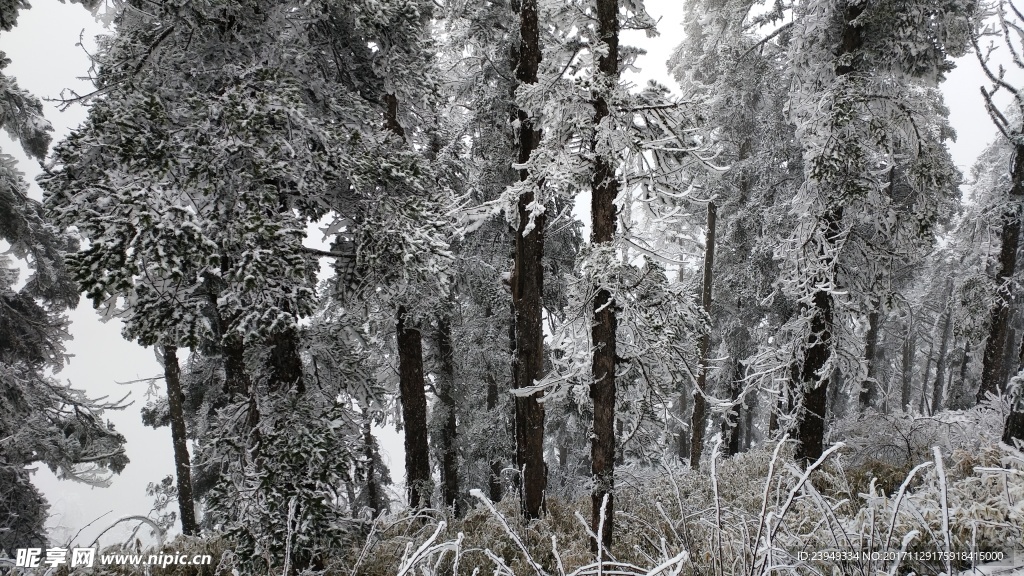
[[286, 363], [1009, 355], [494, 488], [603, 218], [449, 429], [958, 397], [927, 377], [811, 424], [699, 417], [182, 461], [414, 413], [869, 389], [836, 403], [528, 287], [907, 369], [940, 370], [773, 418], [748, 421], [410, 372], [236, 379], [683, 440], [731, 419], [1014, 428], [814, 384], [993, 377], [373, 491]]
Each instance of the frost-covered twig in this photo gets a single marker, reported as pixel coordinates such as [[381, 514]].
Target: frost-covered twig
[[674, 562], [476, 493], [600, 535], [899, 500], [793, 492], [764, 501], [156, 528], [718, 499], [558, 559], [940, 469], [421, 552], [288, 537]]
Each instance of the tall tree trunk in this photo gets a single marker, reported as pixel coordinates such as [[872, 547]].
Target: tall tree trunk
[[699, 417], [683, 439], [414, 412], [373, 492], [811, 380], [924, 381], [773, 418], [410, 369], [869, 389], [731, 434], [748, 421], [1010, 354], [993, 377], [1014, 428], [957, 397], [182, 461], [494, 487], [837, 400], [818, 351], [940, 370], [449, 429], [286, 363], [907, 368], [528, 286], [603, 218]]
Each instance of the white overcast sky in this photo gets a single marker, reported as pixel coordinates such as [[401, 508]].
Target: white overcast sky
[[45, 60]]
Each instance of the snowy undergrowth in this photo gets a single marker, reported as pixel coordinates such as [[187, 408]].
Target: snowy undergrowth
[[754, 514]]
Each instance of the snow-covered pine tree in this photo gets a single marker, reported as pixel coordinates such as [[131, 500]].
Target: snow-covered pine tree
[[1011, 127], [194, 185], [866, 111], [736, 80]]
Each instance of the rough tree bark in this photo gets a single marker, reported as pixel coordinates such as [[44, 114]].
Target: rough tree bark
[[494, 488], [811, 424], [940, 370], [373, 491], [410, 374], [1014, 428], [182, 461], [869, 389], [683, 440], [699, 417], [285, 362], [528, 287], [993, 377], [449, 429], [603, 218], [909, 352], [414, 412], [731, 433]]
